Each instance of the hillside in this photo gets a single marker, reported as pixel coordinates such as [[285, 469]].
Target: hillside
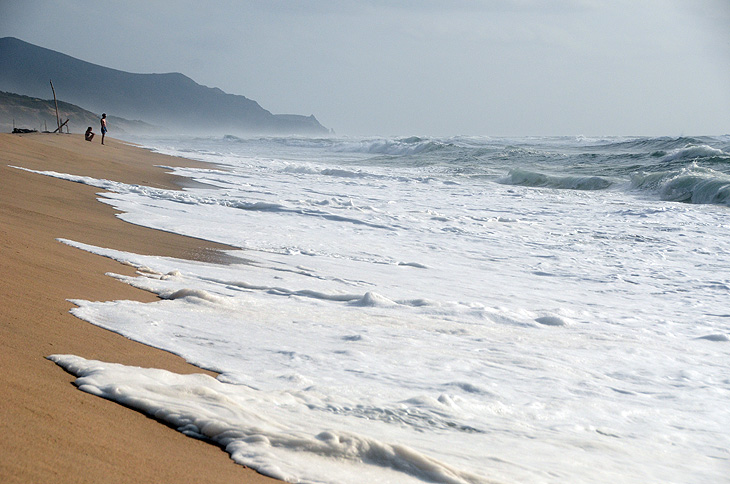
[[40, 114], [171, 100]]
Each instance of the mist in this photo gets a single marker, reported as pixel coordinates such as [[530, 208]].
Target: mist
[[507, 67]]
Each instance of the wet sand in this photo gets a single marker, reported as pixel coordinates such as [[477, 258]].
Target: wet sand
[[49, 430]]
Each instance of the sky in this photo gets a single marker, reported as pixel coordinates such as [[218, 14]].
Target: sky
[[422, 67]]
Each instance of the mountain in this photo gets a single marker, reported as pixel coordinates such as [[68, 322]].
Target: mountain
[[27, 112], [170, 100]]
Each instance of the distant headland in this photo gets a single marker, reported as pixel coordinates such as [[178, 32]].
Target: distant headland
[[172, 101]]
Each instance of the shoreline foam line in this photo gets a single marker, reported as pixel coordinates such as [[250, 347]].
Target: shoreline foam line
[[52, 432]]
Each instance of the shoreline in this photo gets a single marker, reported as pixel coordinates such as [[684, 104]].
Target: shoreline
[[51, 431]]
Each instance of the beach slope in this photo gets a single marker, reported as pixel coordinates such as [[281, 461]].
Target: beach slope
[[49, 430]]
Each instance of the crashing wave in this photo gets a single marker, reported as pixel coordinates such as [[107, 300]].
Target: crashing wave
[[528, 178], [688, 185], [695, 151], [395, 147]]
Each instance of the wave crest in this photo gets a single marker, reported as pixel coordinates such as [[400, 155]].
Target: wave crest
[[396, 147], [528, 178], [694, 152], [688, 185]]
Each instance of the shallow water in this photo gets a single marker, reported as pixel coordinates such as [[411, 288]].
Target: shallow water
[[440, 310]]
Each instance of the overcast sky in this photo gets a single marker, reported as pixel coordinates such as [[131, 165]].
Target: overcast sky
[[422, 67]]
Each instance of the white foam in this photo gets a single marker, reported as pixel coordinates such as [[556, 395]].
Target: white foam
[[244, 422], [583, 339], [695, 151]]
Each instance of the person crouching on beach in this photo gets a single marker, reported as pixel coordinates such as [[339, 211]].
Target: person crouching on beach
[[103, 127], [89, 134]]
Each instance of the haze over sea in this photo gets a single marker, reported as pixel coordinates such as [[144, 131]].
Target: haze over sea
[[458, 310]]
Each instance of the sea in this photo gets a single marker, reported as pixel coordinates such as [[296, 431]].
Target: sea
[[436, 310]]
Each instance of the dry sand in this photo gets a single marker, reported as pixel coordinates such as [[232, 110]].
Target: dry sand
[[50, 431]]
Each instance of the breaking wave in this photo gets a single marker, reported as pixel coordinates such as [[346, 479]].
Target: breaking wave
[[689, 185], [694, 152], [528, 178], [397, 147], [377, 146], [659, 146]]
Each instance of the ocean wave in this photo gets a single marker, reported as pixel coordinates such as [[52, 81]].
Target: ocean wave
[[650, 145], [523, 152], [693, 152], [692, 184], [334, 172], [396, 147], [378, 146], [417, 144], [528, 178]]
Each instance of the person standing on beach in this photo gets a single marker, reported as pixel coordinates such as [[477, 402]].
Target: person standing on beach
[[103, 127]]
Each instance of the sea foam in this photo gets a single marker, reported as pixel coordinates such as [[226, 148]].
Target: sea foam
[[192, 404], [381, 323]]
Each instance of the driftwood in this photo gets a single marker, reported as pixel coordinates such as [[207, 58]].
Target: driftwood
[[58, 130], [58, 120]]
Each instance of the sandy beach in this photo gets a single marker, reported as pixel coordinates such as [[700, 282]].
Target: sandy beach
[[51, 431]]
